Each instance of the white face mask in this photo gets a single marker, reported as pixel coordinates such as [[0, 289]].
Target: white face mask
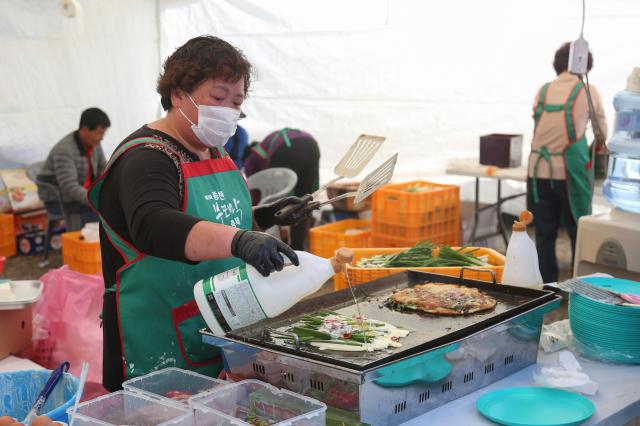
[[216, 124]]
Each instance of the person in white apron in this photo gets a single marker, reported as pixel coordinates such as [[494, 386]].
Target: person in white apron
[[559, 185]]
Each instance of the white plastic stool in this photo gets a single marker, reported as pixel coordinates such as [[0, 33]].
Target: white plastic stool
[[273, 183]]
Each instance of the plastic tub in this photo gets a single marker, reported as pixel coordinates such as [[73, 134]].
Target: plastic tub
[[25, 292], [19, 390], [236, 403], [171, 384], [126, 408]]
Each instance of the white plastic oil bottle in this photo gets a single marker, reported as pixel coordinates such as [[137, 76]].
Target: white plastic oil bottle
[[242, 296], [521, 265]]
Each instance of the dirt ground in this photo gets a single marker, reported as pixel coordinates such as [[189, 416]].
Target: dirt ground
[[28, 267]]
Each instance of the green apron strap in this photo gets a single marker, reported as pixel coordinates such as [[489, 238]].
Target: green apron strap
[[94, 190], [571, 130], [541, 99], [221, 152], [284, 135], [553, 108], [543, 153], [260, 151], [124, 147]]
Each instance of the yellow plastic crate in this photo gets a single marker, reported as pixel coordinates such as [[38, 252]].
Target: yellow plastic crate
[[80, 255], [431, 214], [326, 239], [363, 275], [7, 235]]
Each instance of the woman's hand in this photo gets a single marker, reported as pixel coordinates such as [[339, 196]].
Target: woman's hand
[[262, 251], [265, 216]]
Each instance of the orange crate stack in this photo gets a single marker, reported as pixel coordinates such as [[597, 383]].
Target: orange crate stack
[[363, 275], [80, 255], [326, 239], [7, 236], [401, 218]]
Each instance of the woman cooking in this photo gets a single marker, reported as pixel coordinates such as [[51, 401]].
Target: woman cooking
[[175, 209]]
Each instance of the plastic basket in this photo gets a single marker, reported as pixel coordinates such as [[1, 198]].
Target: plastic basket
[[19, 389], [326, 239], [233, 404], [172, 385], [433, 213], [7, 236], [363, 275], [81, 256]]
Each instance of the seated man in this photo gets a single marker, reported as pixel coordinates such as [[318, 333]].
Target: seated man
[[72, 165], [296, 150]]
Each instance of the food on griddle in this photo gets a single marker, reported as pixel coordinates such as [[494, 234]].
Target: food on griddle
[[330, 330], [422, 256], [442, 299]]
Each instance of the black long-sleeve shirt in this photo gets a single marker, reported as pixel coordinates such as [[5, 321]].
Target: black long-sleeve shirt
[[141, 200]]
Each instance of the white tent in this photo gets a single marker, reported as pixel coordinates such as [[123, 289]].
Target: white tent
[[432, 76]]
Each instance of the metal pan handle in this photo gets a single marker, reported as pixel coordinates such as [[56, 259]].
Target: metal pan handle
[[479, 270]]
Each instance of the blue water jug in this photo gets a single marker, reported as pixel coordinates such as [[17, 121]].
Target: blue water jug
[[622, 187]]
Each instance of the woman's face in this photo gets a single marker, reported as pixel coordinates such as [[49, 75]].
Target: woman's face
[[211, 92], [219, 93]]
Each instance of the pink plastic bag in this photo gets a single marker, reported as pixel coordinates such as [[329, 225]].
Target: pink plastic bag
[[66, 321]]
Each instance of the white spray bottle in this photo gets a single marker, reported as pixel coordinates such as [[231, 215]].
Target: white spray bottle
[[521, 266]]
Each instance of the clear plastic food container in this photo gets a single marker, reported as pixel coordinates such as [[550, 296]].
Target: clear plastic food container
[[252, 402], [172, 385], [126, 408]]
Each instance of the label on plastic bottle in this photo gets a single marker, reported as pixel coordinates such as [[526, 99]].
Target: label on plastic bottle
[[232, 300]]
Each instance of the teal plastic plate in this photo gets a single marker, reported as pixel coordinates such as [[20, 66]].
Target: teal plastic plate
[[615, 284], [535, 406]]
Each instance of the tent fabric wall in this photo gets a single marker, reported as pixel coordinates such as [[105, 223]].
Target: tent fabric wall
[[432, 76], [53, 67]]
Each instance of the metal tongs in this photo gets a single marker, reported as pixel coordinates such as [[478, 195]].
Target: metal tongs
[[350, 166]]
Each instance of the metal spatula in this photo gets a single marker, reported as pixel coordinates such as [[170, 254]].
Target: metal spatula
[[368, 186], [372, 182], [575, 285], [355, 160]]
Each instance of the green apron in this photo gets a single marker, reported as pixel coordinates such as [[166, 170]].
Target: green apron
[[266, 154], [158, 318], [575, 154]]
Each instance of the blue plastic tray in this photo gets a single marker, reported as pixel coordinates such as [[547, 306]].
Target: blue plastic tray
[[535, 406]]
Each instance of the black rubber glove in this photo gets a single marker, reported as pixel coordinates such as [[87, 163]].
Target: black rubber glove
[[265, 215], [262, 251]]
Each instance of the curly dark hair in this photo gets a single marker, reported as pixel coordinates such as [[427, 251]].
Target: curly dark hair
[[199, 59], [561, 59]]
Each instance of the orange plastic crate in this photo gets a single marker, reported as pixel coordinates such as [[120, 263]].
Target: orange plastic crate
[[363, 275], [80, 255], [7, 236], [326, 239], [432, 214]]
